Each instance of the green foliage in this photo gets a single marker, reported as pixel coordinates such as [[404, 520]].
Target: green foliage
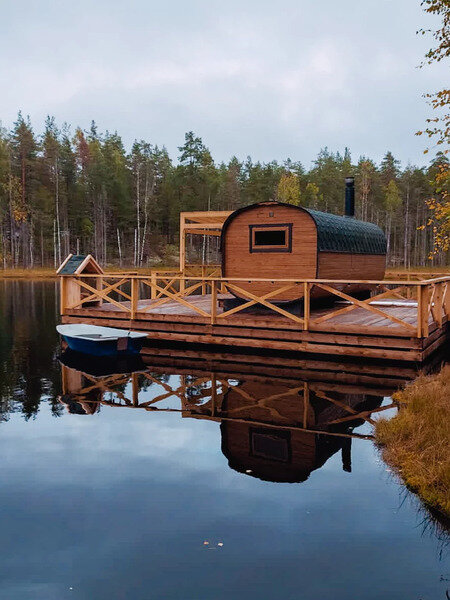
[[289, 189], [67, 192], [392, 198], [438, 129]]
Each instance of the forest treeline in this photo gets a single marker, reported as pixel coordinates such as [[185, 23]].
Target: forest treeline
[[81, 191]]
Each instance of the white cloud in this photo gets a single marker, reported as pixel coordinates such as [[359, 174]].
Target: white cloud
[[255, 79]]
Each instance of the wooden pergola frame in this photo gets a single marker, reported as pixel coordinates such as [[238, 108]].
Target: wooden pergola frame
[[208, 222]]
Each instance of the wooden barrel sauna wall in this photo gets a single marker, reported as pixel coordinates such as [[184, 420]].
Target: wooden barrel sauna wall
[[277, 240]]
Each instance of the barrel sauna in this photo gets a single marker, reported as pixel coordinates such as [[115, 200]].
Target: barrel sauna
[[255, 445], [282, 241]]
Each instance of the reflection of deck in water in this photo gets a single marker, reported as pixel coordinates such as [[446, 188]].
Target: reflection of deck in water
[[275, 428]]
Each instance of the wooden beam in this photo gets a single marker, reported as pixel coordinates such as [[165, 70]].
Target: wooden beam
[[63, 264], [195, 226], [212, 232]]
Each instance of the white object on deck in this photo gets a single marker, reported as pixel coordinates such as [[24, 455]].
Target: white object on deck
[[407, 303], [96, 333], [410, 303]]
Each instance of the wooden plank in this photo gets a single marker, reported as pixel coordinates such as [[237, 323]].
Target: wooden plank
[[352, 307], [261, 300], [212, 232], [298, 336], [309, 347], [440, 341], [178, 298], [101, 295], [63, 264], [248, 320], [113, 287], [368, 307]]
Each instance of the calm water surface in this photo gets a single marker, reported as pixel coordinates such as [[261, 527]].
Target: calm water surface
[[104, 497]]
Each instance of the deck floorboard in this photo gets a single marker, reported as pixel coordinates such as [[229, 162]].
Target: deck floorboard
[[356, 331]]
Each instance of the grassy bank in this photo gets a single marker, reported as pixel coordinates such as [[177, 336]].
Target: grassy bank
[[36, 273], [416, 442]]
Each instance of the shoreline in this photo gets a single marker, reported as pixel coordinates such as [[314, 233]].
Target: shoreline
[[50, 273], [416, 442]]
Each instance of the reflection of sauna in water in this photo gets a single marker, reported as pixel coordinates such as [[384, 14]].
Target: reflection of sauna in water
[[276, 429], [282, 450]]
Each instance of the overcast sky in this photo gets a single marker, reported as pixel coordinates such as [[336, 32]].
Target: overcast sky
[[254, 77]]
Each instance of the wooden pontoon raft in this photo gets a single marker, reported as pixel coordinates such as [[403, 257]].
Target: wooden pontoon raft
[[280, 263], [402, 320]]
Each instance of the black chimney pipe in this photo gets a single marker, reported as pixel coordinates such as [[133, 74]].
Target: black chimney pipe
[[349, 196]]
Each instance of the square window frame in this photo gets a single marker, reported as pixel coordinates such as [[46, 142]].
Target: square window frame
[[282, 435], [287, 227]]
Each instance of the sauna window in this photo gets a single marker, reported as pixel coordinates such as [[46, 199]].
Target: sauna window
[[271, 445], [271, 238]]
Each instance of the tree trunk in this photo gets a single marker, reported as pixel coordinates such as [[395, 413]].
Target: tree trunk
[[119, 247], [406, 237], [58, 224]]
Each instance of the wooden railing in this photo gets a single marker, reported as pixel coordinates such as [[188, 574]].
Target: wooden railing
[[212, 270], [415, 275], [138, 296]]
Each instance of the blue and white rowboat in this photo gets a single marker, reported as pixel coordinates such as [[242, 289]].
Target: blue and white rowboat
[[101, 341]]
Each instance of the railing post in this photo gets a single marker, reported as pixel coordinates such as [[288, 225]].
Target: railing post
[[305, 404], [446, 298], [213, 301], [438, 303], [419, 310], [135, 387], [306, 305], [62, 295], [213, 394], [153, 286], [99, 286], [203, 280], [422, 310], [134, 296]]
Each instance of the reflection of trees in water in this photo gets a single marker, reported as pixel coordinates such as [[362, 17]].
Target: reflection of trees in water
[[194, 392], [28, 346], [145, 384]]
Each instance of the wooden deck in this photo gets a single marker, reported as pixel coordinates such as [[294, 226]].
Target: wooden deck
[[405, 321]]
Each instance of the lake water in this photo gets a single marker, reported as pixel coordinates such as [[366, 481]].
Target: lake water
[[194, 481]]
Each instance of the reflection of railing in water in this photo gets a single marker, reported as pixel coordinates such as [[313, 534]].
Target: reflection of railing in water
[[295, 407], [275, 429]]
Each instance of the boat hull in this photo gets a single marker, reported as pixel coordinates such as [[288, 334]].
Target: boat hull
[[104, 348]]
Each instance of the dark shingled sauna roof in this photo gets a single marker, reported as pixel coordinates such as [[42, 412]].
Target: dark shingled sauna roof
[[345, 234], [334, 233]]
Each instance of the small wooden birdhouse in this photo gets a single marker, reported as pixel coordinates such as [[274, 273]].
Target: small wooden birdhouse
[[75, 287], [77, 264]]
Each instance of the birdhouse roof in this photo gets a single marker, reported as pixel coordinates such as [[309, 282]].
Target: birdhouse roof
[[75, 264]]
